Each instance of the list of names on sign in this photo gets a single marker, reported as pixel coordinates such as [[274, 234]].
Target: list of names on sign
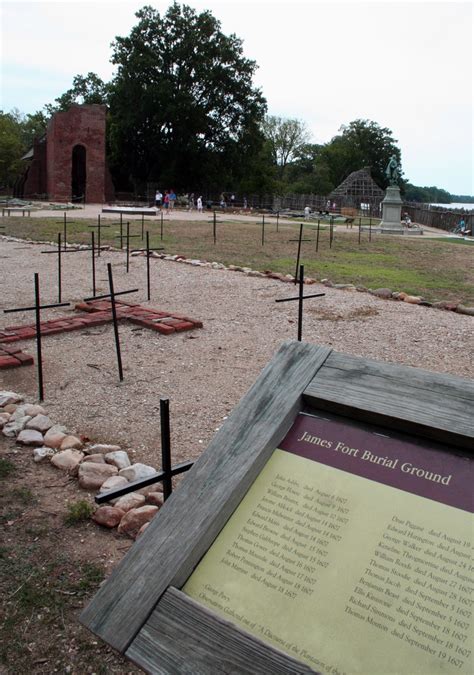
[[289, 537], [351, 552]]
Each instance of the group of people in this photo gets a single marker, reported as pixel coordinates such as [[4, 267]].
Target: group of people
[[194, 202], [166, 201]]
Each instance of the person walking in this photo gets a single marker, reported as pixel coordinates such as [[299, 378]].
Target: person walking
[[199, 204], [158, 199], [166, 200], [172, 199]]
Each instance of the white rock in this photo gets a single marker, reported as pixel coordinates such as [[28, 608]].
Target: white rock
[[113, 483], [30, 437], [20, 412], [130, 501], [119, 458], [40, 454], [136, 471], [7, 397], [14, 427], [67, 460], [101, 447], [40, 423]]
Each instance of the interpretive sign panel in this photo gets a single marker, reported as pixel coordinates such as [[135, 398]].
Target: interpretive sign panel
[[351, 550], [324, 529]]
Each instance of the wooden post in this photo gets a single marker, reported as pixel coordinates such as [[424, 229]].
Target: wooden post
[[166, 447]]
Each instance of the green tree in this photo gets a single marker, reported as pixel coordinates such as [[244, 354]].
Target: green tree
[[182, 102], [86, 89], [287, 139], [12, 148], [33, 126], [361, 143]]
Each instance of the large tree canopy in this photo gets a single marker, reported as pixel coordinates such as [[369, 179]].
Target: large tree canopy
[[182, 102], [361, 143], [85, 89]]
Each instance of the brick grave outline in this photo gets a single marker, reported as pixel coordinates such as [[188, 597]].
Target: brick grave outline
[[93, 313]]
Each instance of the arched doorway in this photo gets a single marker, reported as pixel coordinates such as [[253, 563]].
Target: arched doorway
[[79, 173]]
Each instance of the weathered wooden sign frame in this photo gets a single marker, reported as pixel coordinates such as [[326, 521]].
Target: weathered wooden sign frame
[[141, 611]]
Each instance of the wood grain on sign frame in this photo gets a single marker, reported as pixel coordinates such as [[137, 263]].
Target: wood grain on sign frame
[[140, 611]]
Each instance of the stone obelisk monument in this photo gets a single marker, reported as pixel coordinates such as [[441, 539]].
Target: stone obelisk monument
[[392, 203]]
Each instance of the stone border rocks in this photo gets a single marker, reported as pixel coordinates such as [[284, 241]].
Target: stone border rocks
[[95, 466]]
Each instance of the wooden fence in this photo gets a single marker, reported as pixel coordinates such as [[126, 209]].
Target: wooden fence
[[438, 216]]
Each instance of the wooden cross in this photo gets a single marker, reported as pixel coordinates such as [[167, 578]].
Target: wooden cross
[[165, 475], [299, 240], [148, 251], [99, 227], [214, 225], [73, 250], [112, 295], [300, 297], [37, 307], [128, 237]]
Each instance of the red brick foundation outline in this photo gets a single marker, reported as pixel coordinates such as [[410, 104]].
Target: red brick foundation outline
[[93, 313]]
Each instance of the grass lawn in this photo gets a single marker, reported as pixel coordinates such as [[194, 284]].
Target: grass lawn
[[437, 269]]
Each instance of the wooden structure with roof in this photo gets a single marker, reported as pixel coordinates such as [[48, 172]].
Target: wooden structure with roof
[[358, 188]]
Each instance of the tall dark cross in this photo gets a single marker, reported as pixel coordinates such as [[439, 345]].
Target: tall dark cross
[[148, 251], [263, 229], [167, 470], [99, 227], [317, 228], [37, 309], [112, 295], [127, 238], [299, 240], [63, 222], [161, 225], [331, 231], [214, 225], [301, 298], [73, 250]]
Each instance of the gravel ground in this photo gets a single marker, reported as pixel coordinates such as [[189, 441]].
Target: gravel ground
[[206, 371]]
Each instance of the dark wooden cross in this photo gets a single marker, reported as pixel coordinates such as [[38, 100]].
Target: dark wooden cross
[[299, 240], [263, 229], [167, 470], [37, 307], [63, 222], [300, 297], [99, 227], [214, 225], [73, 250], [112, 295], [127, 238], [148, 250]]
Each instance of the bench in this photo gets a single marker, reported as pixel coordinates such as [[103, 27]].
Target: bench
[[16, 209]]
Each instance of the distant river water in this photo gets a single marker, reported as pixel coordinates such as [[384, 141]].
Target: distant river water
[[456, 205]]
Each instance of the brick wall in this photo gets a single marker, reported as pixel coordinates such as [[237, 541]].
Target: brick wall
[[80, 125]]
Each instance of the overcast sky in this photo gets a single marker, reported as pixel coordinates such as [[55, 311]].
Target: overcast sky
[[406, 65]]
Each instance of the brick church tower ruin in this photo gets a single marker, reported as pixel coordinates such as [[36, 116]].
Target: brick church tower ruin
[[70, 163]]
